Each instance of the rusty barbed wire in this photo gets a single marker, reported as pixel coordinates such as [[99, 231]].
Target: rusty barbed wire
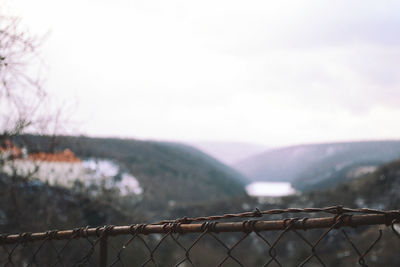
[[181, 242], [339, 209]]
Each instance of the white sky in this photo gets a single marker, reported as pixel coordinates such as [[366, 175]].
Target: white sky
[[268, 72]]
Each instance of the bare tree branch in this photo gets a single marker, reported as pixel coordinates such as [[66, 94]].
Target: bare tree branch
[[21, 92]]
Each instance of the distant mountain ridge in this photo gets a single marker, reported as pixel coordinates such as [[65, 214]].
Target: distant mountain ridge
[[317, 165], [229, 152]]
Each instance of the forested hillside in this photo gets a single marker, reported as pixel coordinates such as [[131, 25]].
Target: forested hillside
[[30, 205], [169, 173], [378, 190], [320, 165]]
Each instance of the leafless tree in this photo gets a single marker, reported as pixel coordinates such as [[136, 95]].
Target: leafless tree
[[21, 93], [24, 104]]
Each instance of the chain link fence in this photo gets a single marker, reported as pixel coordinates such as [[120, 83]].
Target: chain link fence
[[332, 236]]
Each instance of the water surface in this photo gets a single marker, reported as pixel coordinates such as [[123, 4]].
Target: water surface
[[270, 189]]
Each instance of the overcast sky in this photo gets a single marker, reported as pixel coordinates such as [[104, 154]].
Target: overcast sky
[[268, 72]]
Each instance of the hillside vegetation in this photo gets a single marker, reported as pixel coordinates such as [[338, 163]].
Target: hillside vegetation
[[319, 165], [377, 190], [30, 205], [167, 172]]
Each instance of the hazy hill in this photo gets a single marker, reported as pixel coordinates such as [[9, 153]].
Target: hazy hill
[[318, 165], [229, 152], [166, 171], [377, 190]]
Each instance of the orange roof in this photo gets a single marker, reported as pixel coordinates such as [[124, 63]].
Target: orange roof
[[9, 147], [64, 156]]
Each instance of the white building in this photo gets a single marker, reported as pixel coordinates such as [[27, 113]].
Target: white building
[[61, 168], [65, 168]]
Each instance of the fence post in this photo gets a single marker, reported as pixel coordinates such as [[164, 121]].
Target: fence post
[[103, 251]]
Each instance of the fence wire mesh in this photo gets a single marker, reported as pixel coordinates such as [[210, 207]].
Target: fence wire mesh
[[332, 236]]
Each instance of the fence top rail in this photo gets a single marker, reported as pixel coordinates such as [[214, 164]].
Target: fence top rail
[[343, 217]]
